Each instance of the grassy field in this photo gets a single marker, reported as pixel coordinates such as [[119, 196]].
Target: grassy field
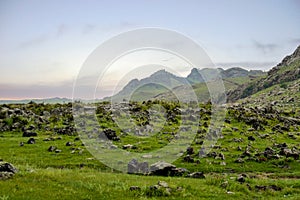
[[73, 173]]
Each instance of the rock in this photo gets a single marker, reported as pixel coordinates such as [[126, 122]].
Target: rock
[[269, 152], [251, 138], [52, 148], [147, 156], [289, 153], [241, 179], [239, 160], [283, 145], [263, 136], [7, 167], [6, 175], [57, 151], [292, 136], [196, 175], [109, 134], [223, 163], [69, 144], [162, 168], [29, 134], [246, 153], [31, 141], [163, 184], [190, 150], [127, 146], [21, 144], [261, 187], [134, 188], [135, 167], [188, 158], [221, 155]]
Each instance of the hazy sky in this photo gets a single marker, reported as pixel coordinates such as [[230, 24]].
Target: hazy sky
[[44, 43]]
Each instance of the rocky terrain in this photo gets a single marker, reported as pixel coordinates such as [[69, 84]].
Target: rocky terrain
[[286, 71], [257, 151]]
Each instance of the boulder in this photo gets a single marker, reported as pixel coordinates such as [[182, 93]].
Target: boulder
[[7, 167], [29, 134], [162, 168], [135, 167]]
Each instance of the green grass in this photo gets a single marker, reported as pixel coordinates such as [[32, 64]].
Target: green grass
[[75, 173], [86, 183]]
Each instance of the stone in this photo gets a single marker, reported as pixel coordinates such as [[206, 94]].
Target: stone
[[162, 168], [190, 150], [239, 160], [163, 184], [221, 155], [127, 146], [241, 179], [223, 163], [251, 138], [29, 134], [109, 134], [196, 175], [31, 141], [134, 188], [52, 148], [135, 167], [6, 175], [188, 158], [69, 144], [57, 151], [7, 167]]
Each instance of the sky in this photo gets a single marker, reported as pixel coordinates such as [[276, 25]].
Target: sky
[[43, 44]]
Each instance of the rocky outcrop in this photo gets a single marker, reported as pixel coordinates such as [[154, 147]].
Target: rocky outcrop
[[286, 71]]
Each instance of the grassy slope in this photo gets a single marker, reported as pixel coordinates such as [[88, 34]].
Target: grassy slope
[[201, 90]]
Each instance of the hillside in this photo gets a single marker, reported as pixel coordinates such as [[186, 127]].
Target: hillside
[[161, 84], [201, 90], [286, 71]]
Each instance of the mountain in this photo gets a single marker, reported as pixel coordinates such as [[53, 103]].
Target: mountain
[[146, 88], [48, 100], [286, 71], [163, 82], [210, 73]]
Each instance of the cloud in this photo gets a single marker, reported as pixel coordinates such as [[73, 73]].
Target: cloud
[[265, 48]]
